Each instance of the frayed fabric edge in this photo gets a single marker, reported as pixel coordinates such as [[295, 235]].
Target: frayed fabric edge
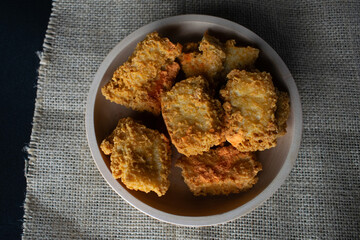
[[30, 159]]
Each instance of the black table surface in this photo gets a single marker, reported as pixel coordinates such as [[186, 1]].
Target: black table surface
[[23, 25]]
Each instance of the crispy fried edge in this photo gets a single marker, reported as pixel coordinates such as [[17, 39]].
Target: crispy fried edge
[[282, 111]]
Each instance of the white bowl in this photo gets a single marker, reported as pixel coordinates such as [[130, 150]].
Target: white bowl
[[178, 205]]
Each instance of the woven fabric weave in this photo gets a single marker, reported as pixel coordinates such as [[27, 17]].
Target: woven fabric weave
[[67, 198]]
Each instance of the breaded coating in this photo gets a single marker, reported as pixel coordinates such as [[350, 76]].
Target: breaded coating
[[282, 111], [193, 119], [241, 58], [140, 157], [148, 72], [190, 47], [208, 62], [250, 105], [223, 170]]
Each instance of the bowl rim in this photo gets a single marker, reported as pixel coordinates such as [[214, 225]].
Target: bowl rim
[[195, 220]]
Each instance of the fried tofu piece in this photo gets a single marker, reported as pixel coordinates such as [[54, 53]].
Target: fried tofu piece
[[220, 171], [238, 57], [193, 119], [207, 61], [148, 72], [140, 157], [282, 111], [250, 105]]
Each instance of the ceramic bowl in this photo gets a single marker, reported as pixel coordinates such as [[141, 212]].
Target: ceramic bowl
[[178, 205]]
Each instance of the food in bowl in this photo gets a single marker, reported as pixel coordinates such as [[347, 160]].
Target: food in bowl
[[238, 57], [250, 106], [282, 111], [220, 171], [194, 118], [149, 71], [215, 60], [140, 157], [179, 206], [205, 58]]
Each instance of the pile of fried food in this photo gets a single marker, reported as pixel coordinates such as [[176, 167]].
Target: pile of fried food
[[217, 138]]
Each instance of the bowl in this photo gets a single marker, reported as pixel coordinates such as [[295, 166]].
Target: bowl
[[179, 206]]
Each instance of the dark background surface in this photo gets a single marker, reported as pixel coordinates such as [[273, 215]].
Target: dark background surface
[[22, 30]]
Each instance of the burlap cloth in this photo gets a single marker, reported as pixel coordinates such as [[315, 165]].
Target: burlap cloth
[[318, 40]]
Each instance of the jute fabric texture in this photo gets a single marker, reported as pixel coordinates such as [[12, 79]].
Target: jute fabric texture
[[67, 198]]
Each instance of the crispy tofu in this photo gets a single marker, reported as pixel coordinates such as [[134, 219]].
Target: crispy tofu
[[193, 119], [140, 157], [282, 111], [149, 71], [250, 105], [207, 61], [241, 58], [220, 171]]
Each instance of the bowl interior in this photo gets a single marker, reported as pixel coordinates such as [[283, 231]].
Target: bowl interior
[[179, 200]]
